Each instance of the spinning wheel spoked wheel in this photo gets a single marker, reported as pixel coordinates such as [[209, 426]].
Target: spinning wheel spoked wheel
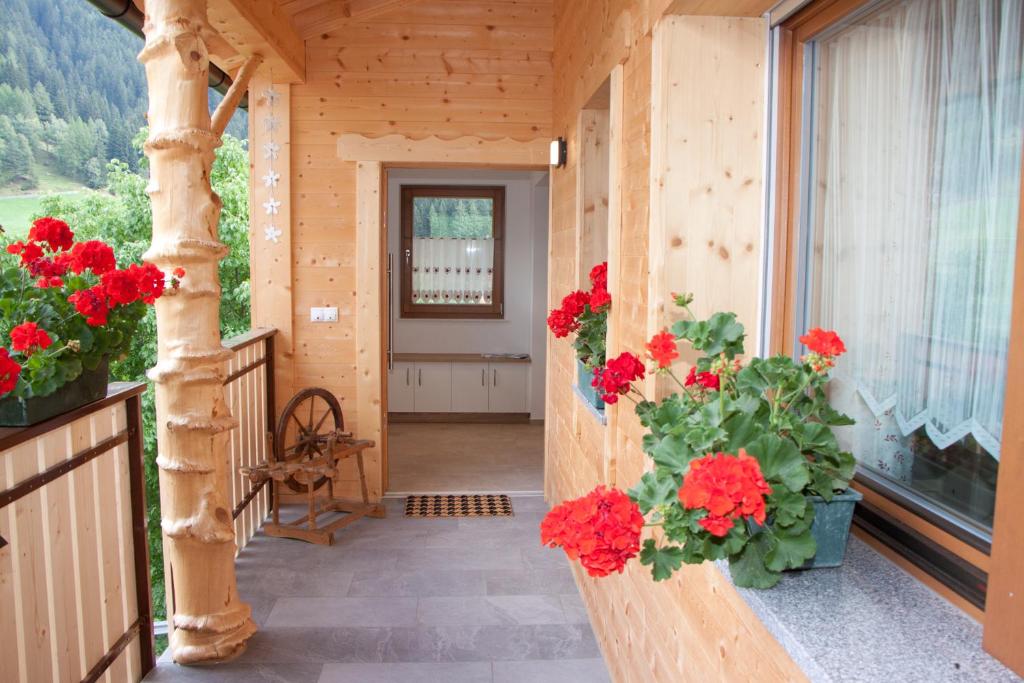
[[311, 417]]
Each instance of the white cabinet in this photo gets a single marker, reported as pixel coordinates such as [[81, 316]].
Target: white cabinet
[[401, 383], [433, 390], [507, 391], [470, 383], [458, 387]]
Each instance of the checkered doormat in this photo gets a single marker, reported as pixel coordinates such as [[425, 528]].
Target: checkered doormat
[[486, 505]]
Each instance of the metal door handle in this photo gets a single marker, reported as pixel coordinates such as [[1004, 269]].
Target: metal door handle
[[419, 377], [495, 377], [407, 376], [483, 377], [391, 326]]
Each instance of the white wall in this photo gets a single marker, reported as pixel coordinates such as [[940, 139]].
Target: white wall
[[526, 243]]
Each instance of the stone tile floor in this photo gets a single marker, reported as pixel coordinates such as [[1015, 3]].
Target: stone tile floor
[[408, 599]]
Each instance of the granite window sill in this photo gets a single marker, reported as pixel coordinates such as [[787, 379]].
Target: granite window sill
[[598, 414], [869, 620]]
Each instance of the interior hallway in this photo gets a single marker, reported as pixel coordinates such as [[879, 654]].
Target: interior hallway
[[469, 458]]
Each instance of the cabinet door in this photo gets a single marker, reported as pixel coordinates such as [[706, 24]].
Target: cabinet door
[[400, 388], [508, 387], [470, 382], [433, 390]]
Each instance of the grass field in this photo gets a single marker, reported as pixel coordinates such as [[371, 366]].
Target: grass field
[[18, 207]]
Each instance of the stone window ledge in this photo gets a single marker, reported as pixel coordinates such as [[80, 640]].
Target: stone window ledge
[[869, 620]]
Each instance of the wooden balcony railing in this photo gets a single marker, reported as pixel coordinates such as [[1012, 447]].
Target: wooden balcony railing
[[74, 566], [250, 392]]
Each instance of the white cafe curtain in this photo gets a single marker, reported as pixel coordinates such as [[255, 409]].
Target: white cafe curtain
[[448, 270], [917, 179]]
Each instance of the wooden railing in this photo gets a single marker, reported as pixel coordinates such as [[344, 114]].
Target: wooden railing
[[250, 393], [74, 566]]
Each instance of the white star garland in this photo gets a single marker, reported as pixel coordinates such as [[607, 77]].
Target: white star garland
[[271, 206], [272, 233], [271, 150]]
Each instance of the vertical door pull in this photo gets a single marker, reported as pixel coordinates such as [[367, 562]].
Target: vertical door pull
[[495, 377], [407, 376], [483, 377], [419, 376]]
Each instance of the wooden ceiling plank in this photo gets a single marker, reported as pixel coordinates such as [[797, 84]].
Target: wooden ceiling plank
[[333, 14], [261, 27], [722, 8]]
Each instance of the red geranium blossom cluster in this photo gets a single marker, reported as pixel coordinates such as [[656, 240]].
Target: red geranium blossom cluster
[[824, 346], [601, 530], [565, 319], [119, 288], [704, 380], [29, 337], [728, 487], [9, 371], [662, 348], [615, 377]]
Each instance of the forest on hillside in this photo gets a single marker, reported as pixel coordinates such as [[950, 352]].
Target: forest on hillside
[[72, 92]]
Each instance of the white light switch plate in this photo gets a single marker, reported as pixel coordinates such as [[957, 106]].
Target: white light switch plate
[[323, 314]]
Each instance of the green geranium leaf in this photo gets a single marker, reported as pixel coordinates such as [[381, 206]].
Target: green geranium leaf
[[702, 439], [716, 548], [790, 551], [742, 429], [654, 490], [780, 461], [673, 453], [748, 567], [787, 507], [663, 560], [814, 437]]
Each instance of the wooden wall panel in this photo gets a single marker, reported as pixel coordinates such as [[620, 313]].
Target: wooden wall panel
[[447, 68], [694, 627]]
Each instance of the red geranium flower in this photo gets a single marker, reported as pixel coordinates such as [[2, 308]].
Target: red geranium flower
[[91, 303], [28, 338], [55, 233], [600, 300], [9, 371], [150, 281], [823, 342], [706, 380], [599, 276], [601, 530], [92, 255], [614, 379], [728, 487], [574, 303], [120, 287], [662, 348], [561, 323], [178, 272], [47, 282], [29, 251]]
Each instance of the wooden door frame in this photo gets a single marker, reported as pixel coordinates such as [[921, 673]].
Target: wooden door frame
[[374, 157], [1003, 618]]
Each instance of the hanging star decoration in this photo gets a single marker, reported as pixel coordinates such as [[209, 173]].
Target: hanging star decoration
[[271, 150], [272, 233], [270, 123], [271, 95], [271, 206], [270, 178]]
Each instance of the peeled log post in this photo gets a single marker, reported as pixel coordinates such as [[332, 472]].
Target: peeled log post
[[209, 621]]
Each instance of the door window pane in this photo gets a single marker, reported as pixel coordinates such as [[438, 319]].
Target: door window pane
[[452, 250], [913, 186]]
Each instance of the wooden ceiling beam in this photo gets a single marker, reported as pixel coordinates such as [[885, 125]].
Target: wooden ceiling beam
[[333, 14], [259, 27], [722, 8]]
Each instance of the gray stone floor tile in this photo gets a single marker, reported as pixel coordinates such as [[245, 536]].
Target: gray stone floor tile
[[330, 612], [427, 582], [420, 672], [491, 611], [233, 672], [530, 581], [575, 610], [552, 671], [466, 557]]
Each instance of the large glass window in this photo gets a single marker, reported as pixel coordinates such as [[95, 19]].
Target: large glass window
[[912, 180], [452, 251]]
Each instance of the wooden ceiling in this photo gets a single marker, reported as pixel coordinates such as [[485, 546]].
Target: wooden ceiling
[[311, 17]]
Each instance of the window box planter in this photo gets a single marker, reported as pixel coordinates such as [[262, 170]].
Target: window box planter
[[583, 377], [831, 528], [90, 386]]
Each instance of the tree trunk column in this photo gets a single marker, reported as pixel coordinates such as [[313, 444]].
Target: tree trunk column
[[209, 621]]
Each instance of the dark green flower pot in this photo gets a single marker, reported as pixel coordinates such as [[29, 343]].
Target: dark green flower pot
[[583, 379], [831, 528], [90, 386]]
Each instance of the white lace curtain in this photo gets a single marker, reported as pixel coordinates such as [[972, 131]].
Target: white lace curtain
[[918, 152], [449, 270]]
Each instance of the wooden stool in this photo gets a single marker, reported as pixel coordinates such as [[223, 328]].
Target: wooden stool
[[308, 457]]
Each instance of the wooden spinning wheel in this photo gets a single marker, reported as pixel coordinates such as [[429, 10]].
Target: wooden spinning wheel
[[309, 420], [310, 445]]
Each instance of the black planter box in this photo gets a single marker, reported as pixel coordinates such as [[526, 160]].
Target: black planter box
[[90, 386]]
